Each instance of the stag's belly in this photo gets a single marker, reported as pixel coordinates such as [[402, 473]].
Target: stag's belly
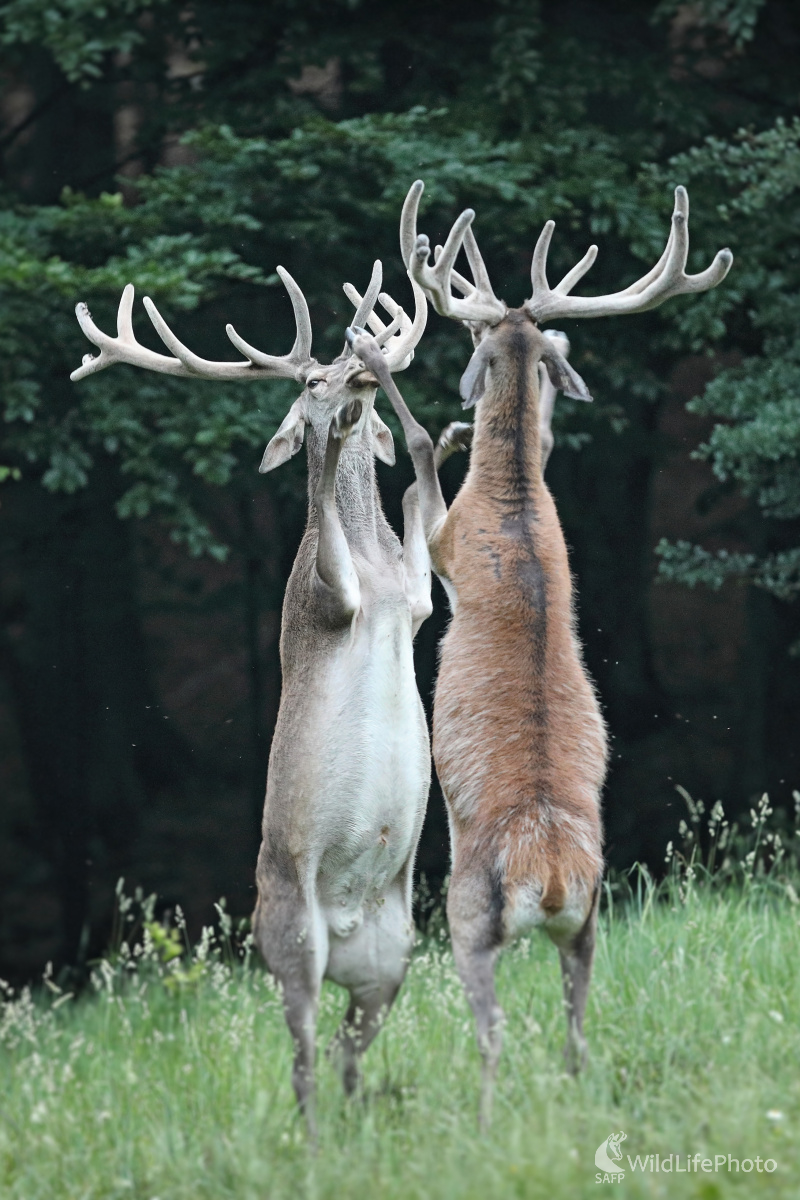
[[349, 781]]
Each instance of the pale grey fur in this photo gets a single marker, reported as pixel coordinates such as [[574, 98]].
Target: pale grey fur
[[349, 768]]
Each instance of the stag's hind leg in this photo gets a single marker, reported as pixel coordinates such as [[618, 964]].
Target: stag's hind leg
[[577, 956], [293, 942], [475, 912], [371, 963]]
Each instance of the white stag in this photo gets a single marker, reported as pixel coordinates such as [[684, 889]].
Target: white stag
[[518, 738], [349, 768]]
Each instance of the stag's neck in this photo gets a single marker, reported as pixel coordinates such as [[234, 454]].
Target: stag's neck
[[506, 460], [357, 500]]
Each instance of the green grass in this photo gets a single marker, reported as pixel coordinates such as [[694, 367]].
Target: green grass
[[182, 1093]]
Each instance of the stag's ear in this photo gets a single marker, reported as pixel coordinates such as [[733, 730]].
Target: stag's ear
[[562, 376], [473, 381], [382, 440], [287, 441]]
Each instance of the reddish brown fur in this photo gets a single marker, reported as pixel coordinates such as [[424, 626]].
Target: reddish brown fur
[[518, 740]]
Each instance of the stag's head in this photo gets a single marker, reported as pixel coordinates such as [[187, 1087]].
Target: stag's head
[[494, 326], [324, 387]]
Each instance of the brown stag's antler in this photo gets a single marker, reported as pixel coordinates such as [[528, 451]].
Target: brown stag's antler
[[667, 278], [479, 302]]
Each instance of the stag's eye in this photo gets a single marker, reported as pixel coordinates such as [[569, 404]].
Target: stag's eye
[[314, 383]]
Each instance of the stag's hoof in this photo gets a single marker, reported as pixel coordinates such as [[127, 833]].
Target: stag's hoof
[[576, 1056], [364, 347], [346, 418], [456, 436]]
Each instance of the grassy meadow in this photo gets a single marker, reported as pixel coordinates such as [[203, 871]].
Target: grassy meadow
[[169, 1079]]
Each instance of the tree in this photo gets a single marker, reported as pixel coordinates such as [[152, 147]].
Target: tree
[[751, 184], [302, 125]]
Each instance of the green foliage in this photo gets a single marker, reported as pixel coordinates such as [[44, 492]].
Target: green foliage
[[777, 573], [737, 17], [149, 1090], [162, 434], [80, 34], [533, 121], [327, 195], [716, 852], [751, 186]]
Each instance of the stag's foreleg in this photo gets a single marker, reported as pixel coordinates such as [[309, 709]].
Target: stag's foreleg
[[335, 570], [420, 445], [547, 400], [416, 560], [474, 912], [577, 956], [456, 436]]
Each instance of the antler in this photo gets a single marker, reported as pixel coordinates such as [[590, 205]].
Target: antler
[[479, 302], [667, 278], [124, 347], [401, 335]]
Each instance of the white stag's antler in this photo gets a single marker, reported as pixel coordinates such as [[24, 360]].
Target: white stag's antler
[[125, 349], [397, 339], [478, 301], [667, 278]]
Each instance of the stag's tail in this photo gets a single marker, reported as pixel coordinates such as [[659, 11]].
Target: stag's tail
[[554, 896]]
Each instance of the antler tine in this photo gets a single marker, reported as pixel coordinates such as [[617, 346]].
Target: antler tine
[[408, 221], [295, 364], [464, 286], [400, 350], [370, 296], [193, 363], [640, 284], [580, 269], [302, 318], [125, 349], [355, 298], [476, 263], [125, 316], [365, 303], [480, 303], [122, 348], [399, 325], [382, 332], [539, 260], [577, 272], [400, 337], [666, 279]]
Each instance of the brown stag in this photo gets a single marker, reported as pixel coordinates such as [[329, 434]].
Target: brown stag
[[518, 738]]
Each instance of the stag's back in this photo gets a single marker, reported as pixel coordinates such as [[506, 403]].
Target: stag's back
[[519, 742]]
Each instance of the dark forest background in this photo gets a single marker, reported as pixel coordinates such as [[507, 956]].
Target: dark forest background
[[191, 147]]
